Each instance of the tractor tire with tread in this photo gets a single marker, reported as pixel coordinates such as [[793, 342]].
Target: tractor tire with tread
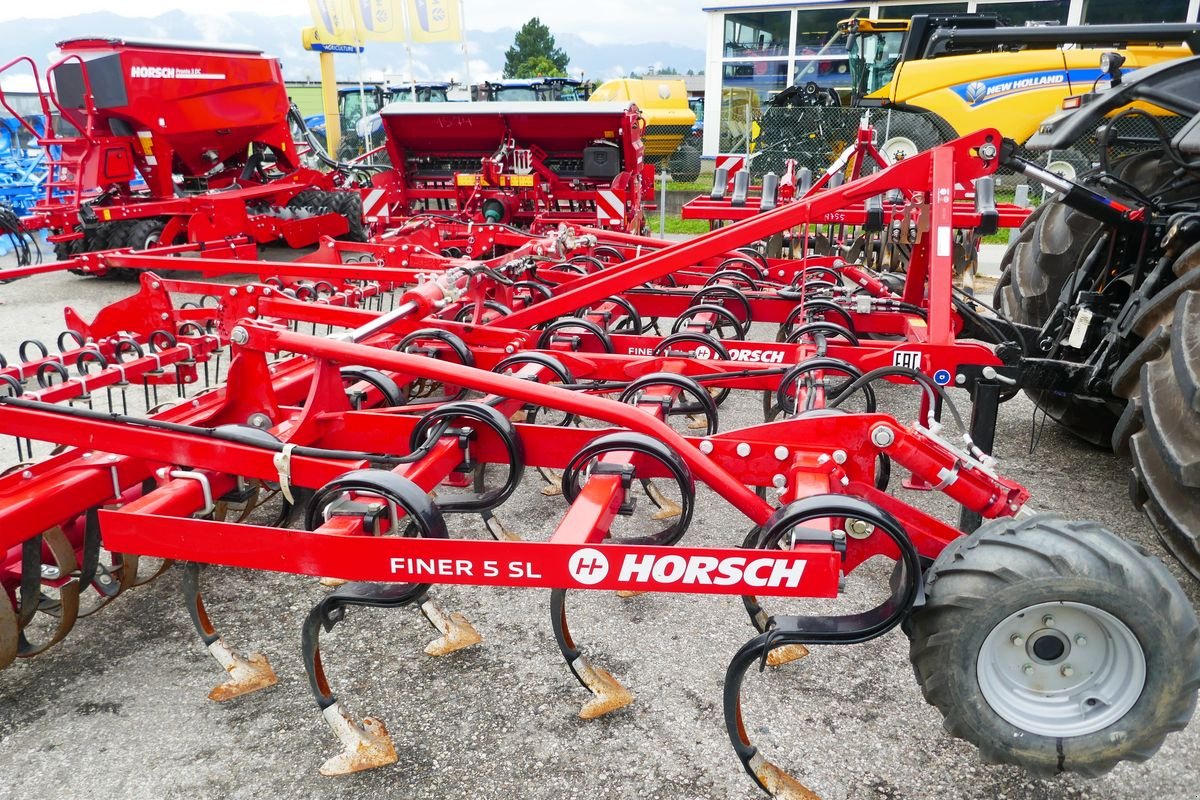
[[1135, 682], [350, 205], [1163, 435]]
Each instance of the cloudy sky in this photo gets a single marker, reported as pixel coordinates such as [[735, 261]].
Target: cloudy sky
[[610, 21]]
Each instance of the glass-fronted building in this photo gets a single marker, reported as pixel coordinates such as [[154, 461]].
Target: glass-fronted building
[[757, 49]]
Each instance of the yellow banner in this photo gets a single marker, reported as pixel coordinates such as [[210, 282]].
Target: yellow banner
[[434, 20], [334, 20], [380, 20]]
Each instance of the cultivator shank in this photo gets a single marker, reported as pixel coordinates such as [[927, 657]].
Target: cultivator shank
[[366, 398]]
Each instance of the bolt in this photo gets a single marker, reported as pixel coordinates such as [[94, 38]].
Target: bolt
[[1048, 621], [779, 481], [50, 572], [155, 285], [1081, 640], [743, 449], [1017, 640], [1027, 669], [105, 580], [987, 151], [883, 436], [706, 447], [250, 310], [781, 453], [960, 379], [859, 528], [1067, 670], [259, 420], [239, 335], [27, 474], [164, 316], [391, 249], [839, 456], [233, 292]]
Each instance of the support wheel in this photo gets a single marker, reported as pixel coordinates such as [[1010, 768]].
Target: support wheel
[[1056, 646]]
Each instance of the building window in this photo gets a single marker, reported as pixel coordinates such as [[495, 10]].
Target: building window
[[762, 34], [1112, 12], [820, 49], [746, 87], [1054, 11], [907, 10]]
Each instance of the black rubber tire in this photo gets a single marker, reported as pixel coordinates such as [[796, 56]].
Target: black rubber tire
[[1040, 261], [313, 200], [684, 164], [918, 128], [1009, 565], [349, 205], [140, 235], [1165, 439]]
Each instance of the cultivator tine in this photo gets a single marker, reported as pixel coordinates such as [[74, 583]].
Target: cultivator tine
[[667, 508], [498, 530], [246, 675], [10, 632], [457, 632], [553, 479], [365, 745], [609, 694], [59, 575]]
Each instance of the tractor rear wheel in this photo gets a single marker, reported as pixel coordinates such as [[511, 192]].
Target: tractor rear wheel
[[1056, 646], [1164, 435], [1050, 247]]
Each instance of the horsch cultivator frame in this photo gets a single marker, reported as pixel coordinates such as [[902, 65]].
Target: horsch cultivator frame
[[495, 342]]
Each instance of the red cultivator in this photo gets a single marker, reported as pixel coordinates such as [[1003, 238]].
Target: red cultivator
[[1040, 640]]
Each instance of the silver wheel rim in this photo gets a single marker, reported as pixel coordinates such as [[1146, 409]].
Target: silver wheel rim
[[1063, 169], [898, 148], [1061, 669]]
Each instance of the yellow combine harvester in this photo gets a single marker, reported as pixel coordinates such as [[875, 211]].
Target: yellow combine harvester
[[665, 110], [959, 73]]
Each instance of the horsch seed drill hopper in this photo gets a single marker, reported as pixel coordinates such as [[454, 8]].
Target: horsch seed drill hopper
[[204, 126]]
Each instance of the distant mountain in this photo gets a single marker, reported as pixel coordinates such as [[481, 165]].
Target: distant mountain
[[280, 36]]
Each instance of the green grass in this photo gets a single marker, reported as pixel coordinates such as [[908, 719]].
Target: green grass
[[677, 225], [700, 185]]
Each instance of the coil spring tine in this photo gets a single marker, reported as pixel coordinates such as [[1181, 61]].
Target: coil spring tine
[[608, 694], [246, 675]]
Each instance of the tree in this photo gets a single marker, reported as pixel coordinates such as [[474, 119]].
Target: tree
[[534, 44], [539, 67]]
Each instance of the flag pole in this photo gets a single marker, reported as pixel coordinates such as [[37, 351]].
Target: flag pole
[[462, 32], [362, 88]]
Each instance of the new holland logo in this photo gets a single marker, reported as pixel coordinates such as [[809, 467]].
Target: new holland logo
[[976, 91], [980, 92]]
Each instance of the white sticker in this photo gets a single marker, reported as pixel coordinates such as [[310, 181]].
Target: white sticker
[[944, 247], [910, 359], [1080, 328]]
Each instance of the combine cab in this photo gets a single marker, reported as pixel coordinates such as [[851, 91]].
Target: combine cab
[[205, 128], [530, 165]]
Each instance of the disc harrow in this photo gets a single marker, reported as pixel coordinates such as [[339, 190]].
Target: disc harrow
[[363, 403]]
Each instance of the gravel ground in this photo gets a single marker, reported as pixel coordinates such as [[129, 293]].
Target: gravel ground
[[118, 709]]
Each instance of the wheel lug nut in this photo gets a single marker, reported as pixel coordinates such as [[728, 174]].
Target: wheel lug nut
[[1017, 639], [1048, 621], [1067, 670], [1027, 669], [1081, 640]]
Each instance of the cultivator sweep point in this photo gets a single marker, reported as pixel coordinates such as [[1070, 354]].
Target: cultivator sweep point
[[365, 397]]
